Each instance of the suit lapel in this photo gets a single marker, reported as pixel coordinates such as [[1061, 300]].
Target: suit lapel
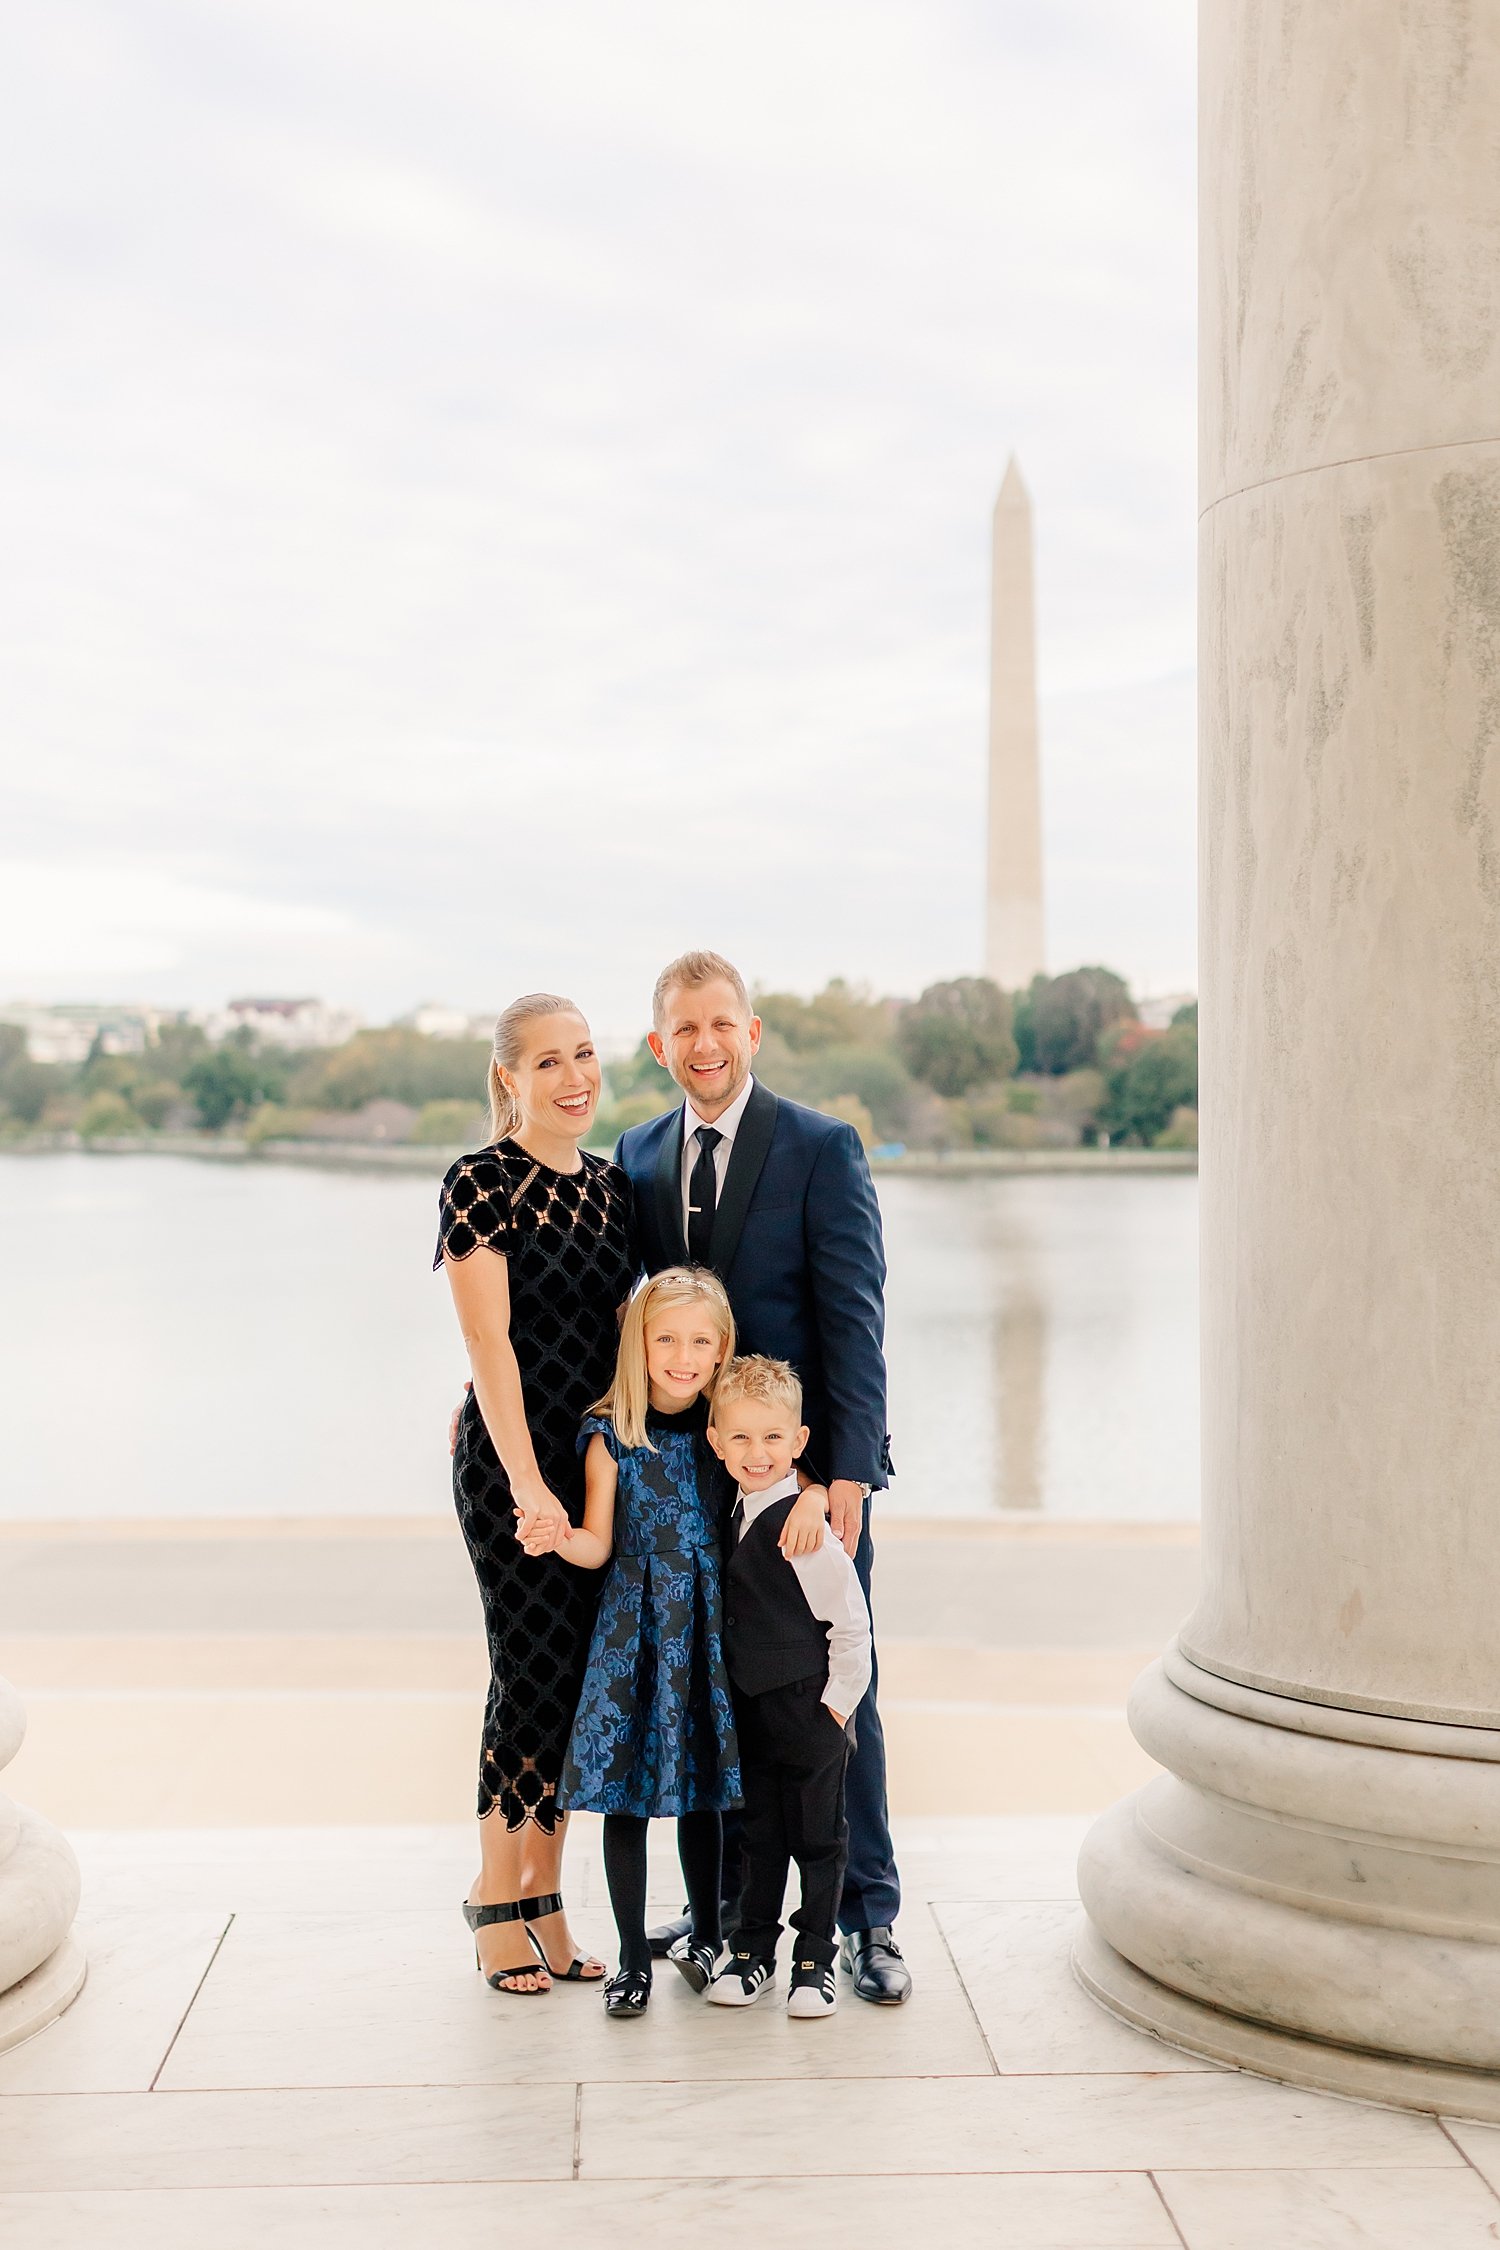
[[669, 1191], [752, 1144]]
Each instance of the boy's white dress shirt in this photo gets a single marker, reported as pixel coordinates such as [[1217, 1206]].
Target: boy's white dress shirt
[[834, 1595]]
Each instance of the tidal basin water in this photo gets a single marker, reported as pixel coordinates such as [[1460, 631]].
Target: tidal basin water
[[184, 1338]]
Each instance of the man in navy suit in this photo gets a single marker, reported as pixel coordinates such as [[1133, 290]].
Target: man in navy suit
[[778, 1199]]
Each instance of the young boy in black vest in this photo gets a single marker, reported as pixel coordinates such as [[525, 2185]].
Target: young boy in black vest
[[797, 1648]]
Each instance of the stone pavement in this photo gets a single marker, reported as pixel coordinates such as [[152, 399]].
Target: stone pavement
[[194, 1674], [283, 2045]]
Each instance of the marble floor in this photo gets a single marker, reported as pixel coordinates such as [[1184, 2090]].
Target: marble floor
[[282, 2043]]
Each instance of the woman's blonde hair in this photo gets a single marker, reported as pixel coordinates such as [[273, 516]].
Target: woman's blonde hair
[[509, 1046], [628, 1396]]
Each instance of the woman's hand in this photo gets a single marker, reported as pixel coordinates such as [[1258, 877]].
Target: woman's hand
[[802, 1533], [541, 1520]]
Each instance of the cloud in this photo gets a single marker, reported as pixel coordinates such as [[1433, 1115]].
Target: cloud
[[86, 920], [517, 481]]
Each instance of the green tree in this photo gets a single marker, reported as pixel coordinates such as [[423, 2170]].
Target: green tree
[[26, 1087], [174, 1049], [1182, 1132], [400, 1064], [841, 1015], [853, 1112], [225, 1080], [154, 1098], [107, 1115], [639, 1073], [1149, 1076], [1061, 1020], [957, 1036], [451, 1124], [875, 1076]]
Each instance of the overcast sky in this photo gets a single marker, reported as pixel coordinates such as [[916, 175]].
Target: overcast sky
[[496, 494]]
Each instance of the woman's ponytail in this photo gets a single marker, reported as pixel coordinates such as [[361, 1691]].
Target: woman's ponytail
[[505, 1110]]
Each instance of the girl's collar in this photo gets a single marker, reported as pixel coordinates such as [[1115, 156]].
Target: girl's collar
[[694, 1417]]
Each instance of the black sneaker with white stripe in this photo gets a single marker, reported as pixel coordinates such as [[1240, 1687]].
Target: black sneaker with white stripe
[[741, 1981], [695, 1964], [814, 1990]]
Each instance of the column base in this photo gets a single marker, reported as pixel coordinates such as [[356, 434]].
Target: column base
[[1306, 1892], [52, 1986], [1106, 1976]]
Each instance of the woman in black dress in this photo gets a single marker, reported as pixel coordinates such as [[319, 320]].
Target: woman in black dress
[[540, 1315]]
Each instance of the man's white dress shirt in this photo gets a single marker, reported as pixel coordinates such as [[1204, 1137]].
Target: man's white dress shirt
[[834, 1595], [728, 1125]]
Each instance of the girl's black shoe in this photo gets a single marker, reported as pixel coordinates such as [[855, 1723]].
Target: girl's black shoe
[[628, 1993], [695, 1964]]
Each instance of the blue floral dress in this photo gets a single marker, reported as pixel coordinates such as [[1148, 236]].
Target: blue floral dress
[[654, 1734]]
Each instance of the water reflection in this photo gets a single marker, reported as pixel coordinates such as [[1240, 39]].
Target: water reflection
[[1019, 1327], [185, 1338], [1043, 1344]]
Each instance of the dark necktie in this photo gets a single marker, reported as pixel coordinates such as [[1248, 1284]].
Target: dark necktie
[[703, 1196]]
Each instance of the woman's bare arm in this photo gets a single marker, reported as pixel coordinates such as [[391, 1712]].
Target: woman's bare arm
[[592, 1544], [481, 1298]]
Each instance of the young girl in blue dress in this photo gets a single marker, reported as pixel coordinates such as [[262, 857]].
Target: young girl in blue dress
[[654, 1734]]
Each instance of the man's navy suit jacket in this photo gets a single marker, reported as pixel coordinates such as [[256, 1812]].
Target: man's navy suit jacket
[[797, 1243]]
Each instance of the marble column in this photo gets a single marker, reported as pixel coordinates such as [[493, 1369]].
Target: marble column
[[41, 1966], [1312, 1888]]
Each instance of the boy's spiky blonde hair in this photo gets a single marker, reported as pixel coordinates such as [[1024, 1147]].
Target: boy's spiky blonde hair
[[770, 1382]]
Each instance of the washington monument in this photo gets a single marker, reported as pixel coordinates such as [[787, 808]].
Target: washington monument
[[1013, 949]]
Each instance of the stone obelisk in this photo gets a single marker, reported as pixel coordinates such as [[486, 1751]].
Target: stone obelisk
[[1013, 952]]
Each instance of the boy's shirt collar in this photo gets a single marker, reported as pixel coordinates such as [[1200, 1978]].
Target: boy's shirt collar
[[753, 1504]]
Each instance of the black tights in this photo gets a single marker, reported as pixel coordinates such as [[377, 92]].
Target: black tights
[[700, 1847]]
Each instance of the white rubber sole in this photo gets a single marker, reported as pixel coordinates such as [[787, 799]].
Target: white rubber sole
[[729, 1992], [807, 2004]]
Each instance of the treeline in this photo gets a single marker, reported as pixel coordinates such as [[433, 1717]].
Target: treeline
[[418, 1088], [962, 1066]]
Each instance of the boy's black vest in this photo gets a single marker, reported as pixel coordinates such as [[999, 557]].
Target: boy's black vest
[[771, 1637]]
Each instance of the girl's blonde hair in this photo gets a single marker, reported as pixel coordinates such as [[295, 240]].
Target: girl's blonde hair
[[509, 1046], [628, 1396]]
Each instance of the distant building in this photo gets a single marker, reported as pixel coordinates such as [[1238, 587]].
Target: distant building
[[1158, 1013], [66, 1031], [435, 1020], [283, 1023]]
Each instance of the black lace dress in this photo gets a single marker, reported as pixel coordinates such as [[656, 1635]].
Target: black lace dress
[[569, 1246]]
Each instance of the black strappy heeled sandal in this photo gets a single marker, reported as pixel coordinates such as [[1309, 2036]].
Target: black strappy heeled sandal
[[628, 1993], [533, 1910], [478, 1918]]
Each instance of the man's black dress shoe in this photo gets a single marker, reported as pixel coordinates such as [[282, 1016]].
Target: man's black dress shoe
[[873, 1959]]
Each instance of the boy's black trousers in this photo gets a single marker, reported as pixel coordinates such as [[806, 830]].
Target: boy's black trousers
[[793, 1755]]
